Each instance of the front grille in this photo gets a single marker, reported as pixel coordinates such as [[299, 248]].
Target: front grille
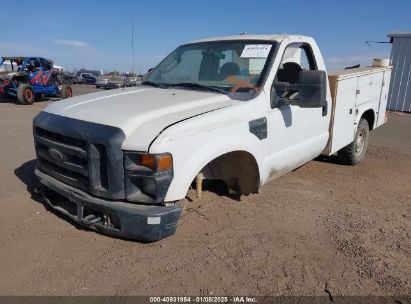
[[82, 154], [72, 168]]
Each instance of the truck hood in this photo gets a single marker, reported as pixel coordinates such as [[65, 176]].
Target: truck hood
[[141, 112]]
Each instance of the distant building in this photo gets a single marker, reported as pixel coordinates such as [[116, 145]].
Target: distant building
[[399, 97]]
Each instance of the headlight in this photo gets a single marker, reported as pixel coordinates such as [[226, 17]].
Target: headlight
[[147, 176]]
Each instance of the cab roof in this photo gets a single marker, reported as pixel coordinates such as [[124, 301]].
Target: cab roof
[[277, 38]]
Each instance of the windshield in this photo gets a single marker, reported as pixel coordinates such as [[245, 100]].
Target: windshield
[[229, 66]]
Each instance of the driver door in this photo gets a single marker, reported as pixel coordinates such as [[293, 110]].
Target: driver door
[[297, 134]]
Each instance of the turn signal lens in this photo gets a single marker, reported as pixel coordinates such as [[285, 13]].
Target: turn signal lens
[[148, 161], [164, 163], [135, 162]]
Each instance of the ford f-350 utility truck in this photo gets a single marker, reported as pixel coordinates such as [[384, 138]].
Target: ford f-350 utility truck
[[242, 109]]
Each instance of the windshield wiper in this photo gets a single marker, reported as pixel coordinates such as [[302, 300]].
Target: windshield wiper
[[154, 84], [194, 85]]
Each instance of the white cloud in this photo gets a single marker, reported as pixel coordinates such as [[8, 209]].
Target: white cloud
[[75, 44]]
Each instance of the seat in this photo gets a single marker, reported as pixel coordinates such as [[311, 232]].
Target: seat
[[228, 69], [289, 73]]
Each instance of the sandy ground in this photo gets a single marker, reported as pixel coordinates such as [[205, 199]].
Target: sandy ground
[[324, 228]]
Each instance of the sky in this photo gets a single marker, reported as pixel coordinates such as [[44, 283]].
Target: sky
[[97, 34]]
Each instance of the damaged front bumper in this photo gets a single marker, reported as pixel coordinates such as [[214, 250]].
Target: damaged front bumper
[[115, 218]]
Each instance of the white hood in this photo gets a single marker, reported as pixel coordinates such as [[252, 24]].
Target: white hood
[[140, 111]]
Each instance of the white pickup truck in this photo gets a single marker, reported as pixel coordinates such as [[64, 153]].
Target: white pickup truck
[[243, 109]]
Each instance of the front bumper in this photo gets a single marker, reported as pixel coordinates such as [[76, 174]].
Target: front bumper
[[115, 218]]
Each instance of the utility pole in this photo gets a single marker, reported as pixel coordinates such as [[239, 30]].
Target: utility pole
[[132, 44]]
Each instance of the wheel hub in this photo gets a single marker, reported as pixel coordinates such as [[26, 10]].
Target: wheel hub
[[360, 142], [29, 95]]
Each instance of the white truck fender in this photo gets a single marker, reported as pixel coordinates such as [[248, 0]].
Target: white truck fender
[[193, 153], [371, 118]]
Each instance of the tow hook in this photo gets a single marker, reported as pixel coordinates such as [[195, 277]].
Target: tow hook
[[91, 220]]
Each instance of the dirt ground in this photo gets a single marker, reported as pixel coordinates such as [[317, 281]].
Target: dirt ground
[[324, 228]]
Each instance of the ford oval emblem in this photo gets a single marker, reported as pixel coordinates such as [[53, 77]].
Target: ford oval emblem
[[56, 154]]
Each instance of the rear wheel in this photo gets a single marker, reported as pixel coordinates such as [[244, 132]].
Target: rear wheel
[[66, 91], [25, 94], [354, 153]]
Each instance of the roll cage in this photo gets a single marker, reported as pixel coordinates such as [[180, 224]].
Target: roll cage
[[24, 63]]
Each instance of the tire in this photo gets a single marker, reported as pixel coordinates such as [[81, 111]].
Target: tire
[[354, 153], [66, 91], [25, 94]]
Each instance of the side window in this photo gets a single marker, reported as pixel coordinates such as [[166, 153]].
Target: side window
[[45, 64], [297, 57], [228, 57], [33, 65], [36, 62]]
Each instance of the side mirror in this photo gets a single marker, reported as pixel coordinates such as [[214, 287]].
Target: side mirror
[[312, 89], [278, 89]]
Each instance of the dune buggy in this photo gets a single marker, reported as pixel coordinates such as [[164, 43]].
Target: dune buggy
[[30, 78]]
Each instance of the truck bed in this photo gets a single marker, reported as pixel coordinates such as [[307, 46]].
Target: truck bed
[[353, 92]]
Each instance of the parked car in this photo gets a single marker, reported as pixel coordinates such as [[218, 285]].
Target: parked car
[[87, 78], [30, 78], [71, 78], [261, 107], [132, 81], [66, 78], [102, 81], [116, 82]]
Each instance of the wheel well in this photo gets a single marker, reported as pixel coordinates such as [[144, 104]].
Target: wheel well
[[238, 169], [369, 116]]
